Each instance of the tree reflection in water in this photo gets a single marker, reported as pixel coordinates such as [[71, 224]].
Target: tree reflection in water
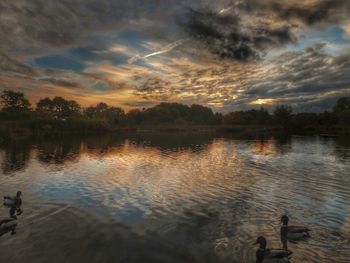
[[16, 155]]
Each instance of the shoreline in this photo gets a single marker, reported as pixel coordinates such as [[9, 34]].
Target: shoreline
[[15, 129]]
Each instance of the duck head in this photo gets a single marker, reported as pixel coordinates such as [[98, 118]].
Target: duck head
[[261, 241], [19, 193], [284, 220]]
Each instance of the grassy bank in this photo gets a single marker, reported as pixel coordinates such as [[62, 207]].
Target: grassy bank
[[51, 126], [45, 127]]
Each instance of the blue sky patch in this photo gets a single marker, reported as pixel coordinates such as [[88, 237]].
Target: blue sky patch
[[59, 62], [100, 87]]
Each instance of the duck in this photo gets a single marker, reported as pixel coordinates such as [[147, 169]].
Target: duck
[[293, 232], [8, 225], [13, 200], [268, 255]]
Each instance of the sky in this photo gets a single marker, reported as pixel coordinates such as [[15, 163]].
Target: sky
[[225, 54]]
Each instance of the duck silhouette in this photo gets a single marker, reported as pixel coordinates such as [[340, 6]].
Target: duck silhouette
[[269, 255], [8, 225], [293, 232], [14, 203]]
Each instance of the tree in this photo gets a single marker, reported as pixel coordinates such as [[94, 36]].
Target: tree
[[58, 107], [263, 116], [327, 118], [343, 104], [218, 118], [89, 112], [73, 108], [14, 101], [134, 116], [283, 113], [232, 117], [101, 107], [174, 113], [304, 120], [104, 112], [201, 115], [254, 117], [45, 107], [14, 105], [342, 110]]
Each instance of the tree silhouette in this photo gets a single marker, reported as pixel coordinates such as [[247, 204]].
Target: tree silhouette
[[104, 112], [45, 107], [58, 108], [260, 116], [343, 104], [283, 114], [14, 104], [342, 110], [11, 100]]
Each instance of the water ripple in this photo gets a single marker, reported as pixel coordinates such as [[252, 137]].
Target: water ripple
[[201, 202]]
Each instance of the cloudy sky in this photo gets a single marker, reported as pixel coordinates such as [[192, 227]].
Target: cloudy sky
[[226, 54]]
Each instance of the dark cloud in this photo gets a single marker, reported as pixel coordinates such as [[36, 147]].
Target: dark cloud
[[60, 82], [10, 65], [308, 12], [54, 23], [49, 23], [250, 28], [311, 79], [228, 37], [141, 104]]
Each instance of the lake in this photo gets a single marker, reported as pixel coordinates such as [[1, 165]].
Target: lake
[[178, 197]]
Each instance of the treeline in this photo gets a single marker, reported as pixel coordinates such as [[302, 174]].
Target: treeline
[[283, 115], [68, 114]]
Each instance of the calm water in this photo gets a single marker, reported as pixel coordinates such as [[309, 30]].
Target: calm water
[[174, 198]]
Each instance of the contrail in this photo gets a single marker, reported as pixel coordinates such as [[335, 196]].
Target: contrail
[[163, 50], [224, 10], [230, 7]]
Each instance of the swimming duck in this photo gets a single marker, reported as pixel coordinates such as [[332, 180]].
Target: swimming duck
[[8, 225], [293, 232], [14, 203], [13, 200], [266, 255]]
